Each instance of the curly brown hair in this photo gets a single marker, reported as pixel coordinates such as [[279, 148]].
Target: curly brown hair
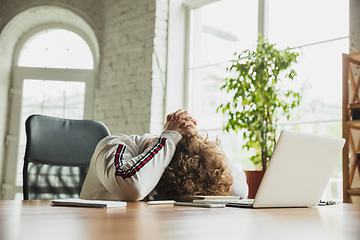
[[198, 167]]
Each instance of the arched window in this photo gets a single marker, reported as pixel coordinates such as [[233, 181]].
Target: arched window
[[53, 75], [56, 48]]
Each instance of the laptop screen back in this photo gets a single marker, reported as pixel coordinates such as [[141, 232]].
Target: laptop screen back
[[299, 170]]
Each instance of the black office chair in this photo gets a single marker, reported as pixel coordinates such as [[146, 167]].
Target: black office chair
[[57, 156]]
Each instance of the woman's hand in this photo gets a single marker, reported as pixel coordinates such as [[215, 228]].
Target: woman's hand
[[179, 120]]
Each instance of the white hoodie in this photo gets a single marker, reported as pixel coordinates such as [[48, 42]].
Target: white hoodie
[[122, 169]]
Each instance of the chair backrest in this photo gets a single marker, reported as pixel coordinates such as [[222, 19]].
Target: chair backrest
[[57, 156]]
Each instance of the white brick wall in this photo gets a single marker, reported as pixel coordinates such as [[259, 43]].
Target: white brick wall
[[130, 93], [89, 10], [354, 31]]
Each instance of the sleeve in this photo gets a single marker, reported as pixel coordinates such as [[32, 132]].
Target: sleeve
[[239, 187], [128, 175]]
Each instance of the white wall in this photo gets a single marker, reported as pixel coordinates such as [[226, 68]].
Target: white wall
[[130, 94], [354, 25]]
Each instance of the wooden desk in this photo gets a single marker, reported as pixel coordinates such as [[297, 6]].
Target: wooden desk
[[38, 220]]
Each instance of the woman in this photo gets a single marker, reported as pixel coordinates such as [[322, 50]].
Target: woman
[[130, 167], [199, 167]]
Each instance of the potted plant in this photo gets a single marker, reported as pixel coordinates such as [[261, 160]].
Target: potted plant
[[257, 99]]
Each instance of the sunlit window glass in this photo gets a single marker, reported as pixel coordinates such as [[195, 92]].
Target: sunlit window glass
[[213, 43], [217, 30], [320, 28], [298, 23], [56, 48]]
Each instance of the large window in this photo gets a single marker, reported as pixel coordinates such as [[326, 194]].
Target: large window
[[323, 36], [54, 76], [319, 28], [213, 41]]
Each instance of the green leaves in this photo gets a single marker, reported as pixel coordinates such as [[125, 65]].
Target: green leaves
[[257, 99]]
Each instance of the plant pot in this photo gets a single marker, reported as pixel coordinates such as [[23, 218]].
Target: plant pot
[[253, 179]]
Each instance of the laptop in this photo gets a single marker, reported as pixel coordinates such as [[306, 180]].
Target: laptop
[[298, 172]]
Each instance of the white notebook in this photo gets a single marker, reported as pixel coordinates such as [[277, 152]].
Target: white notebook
[[75, 202]]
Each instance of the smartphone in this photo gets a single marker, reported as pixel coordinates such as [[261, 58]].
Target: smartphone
[[160, 202], [204, 205]]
